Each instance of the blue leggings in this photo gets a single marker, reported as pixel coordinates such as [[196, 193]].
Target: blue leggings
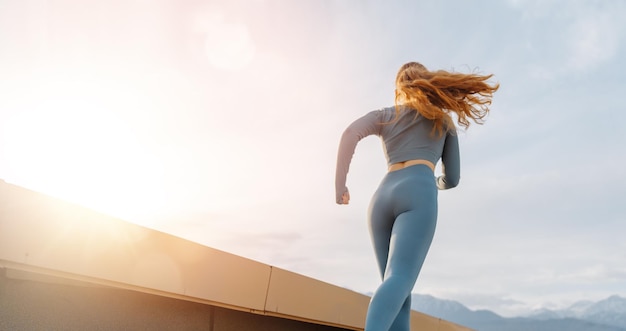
[[402, 219]]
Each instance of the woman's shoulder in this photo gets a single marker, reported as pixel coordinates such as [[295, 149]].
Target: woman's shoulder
[[389, 110], [383, 113]]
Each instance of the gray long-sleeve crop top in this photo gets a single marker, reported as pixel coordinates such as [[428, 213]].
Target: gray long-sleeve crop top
[[406, 138]]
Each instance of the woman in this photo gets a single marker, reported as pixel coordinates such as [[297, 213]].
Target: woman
[[416, 133]]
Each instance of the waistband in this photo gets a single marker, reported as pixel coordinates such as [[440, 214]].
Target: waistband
[[417, 169]]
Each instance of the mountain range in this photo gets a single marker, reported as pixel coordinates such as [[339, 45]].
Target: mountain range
[[605, 315]]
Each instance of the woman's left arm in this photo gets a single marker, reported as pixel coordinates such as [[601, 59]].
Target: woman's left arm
[[451, 163]]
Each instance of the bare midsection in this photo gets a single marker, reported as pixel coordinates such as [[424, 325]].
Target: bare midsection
[[408, 163]]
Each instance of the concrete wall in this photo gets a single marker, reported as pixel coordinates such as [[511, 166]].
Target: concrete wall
[[37, 302]]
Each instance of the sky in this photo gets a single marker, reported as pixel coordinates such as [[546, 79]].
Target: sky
[[219, 122]]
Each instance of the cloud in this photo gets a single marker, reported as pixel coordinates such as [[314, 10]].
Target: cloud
[[590, 274], [561, 40], [592, 40]]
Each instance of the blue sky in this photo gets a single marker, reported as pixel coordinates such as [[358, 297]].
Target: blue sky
[[219, 122]]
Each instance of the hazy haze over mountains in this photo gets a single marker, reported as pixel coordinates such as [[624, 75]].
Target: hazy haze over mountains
[[604, 315]]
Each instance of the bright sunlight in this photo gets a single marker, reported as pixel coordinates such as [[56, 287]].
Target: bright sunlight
[[121, 117], [228, 44], [65, 140]]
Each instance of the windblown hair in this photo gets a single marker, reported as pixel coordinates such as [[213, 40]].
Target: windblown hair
[[437, 94]]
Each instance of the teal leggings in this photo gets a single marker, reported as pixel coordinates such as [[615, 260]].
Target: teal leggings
[[402, 219]]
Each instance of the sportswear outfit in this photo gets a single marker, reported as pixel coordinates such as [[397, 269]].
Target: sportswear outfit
[[403, 211]]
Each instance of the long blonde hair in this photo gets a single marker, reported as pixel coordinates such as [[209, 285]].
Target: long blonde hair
[[435, 94]]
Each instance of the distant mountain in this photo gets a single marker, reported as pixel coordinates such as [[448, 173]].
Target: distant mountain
[[610, 311], [527, 324], [605, 315], [451, 310], [574, 310]]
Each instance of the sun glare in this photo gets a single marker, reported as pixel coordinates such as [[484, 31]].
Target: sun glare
[[64, 140], [228, 45], [70, 120]]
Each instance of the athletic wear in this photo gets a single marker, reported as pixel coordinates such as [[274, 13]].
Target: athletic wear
[[408, 137], [403, 212], [401, 217]]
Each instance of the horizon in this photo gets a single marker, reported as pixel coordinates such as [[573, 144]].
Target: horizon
[[219, 123], [531, 313]]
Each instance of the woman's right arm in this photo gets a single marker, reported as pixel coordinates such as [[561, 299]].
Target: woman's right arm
[[451, 163], [359, 129]]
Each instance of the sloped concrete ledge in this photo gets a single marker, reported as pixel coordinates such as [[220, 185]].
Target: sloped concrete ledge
[[41, 235]]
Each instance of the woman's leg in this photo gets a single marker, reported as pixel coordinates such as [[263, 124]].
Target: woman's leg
[[410, 239], [402, 219], [380, 221], [403, 319]]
